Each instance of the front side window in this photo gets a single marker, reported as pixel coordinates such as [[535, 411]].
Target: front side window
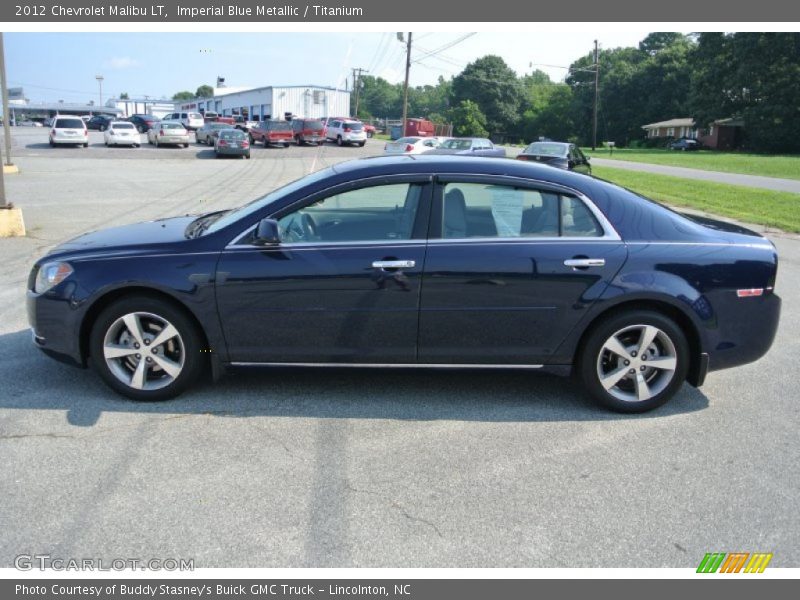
[[377, 213], [488, 211]]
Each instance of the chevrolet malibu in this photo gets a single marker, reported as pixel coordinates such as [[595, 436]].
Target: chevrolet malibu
[[426, 261]]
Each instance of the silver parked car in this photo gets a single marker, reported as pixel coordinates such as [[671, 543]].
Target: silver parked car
[[209, 131], [469, 147], [168, 132]]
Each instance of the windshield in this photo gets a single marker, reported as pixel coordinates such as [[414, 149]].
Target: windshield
[[246, 210], [546, 149], [456, 144]]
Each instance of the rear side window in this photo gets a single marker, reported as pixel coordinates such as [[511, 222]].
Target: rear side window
[[69, 124], [481, 210]]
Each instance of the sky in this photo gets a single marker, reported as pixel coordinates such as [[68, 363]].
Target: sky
[[63, 66]]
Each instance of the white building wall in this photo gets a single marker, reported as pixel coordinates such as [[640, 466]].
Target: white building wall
[[303, 101]]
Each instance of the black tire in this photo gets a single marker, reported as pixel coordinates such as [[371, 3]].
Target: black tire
[[185, 348], [339, 141], [361, 145], [86, 145], [247, 156], [186, 145], [52, 144], [660, 383], [286, 145]]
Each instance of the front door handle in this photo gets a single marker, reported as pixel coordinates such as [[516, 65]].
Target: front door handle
[[582, 263], [393, 264]]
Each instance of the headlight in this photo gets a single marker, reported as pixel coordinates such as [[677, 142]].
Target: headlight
[[51, 274]]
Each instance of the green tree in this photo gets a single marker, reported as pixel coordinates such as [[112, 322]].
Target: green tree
[[754, 76], [551, 118], [124, 96], [185, 95], [468, 120], [204, 91], [491, 84], [378, 97]]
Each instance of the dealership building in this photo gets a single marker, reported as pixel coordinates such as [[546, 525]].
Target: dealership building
[[276, 102]]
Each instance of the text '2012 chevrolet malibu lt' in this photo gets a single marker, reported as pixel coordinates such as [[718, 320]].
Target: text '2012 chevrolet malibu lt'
[[416, 261]]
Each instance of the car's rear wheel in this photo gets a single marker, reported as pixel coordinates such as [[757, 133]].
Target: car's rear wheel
[[339, 141], [634, 361], [146, 349]]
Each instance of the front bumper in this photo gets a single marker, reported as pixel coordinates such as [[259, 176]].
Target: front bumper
[[55, 326]]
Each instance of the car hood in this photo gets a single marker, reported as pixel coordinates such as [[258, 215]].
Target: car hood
[[128, 238]]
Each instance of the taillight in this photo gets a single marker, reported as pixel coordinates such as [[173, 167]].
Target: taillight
[[245, 144], [160, 132], [222, 143], [409, 147]]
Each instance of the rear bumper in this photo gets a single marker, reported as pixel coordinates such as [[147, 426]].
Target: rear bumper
[[747, 328]]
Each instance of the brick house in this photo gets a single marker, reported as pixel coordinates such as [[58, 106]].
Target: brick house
[[722, 134]]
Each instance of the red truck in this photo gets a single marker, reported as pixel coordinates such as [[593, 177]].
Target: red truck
[[211, 117]]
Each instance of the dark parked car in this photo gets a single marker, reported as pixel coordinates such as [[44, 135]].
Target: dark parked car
[[308, 131], [468, 147], [98, 123], [272, 133], [416, 261], [557, 154], [143, 123], [684, 144], [232, 142]]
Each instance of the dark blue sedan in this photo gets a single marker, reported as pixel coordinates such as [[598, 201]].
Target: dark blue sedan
[[422, 262]]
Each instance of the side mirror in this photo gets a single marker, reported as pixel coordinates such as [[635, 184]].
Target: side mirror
[[267, 233]]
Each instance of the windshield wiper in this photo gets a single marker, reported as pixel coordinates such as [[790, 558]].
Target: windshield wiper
[[201, 223]]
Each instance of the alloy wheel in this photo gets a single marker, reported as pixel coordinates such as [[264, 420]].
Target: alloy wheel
[[144, 351], [637, 363]]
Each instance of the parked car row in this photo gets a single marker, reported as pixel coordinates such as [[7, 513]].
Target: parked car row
[[439, 145]]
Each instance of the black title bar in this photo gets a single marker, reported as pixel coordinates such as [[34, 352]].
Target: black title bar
[[417, 11]]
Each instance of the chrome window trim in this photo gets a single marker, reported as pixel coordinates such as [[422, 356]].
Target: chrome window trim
[[609, 233]]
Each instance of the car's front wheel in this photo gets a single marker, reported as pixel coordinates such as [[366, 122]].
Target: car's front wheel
[[634, 361], [146, 349]]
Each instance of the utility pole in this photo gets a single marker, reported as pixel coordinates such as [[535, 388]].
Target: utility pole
[[405, 86], [357, 85], [596, 94], [6, 113]]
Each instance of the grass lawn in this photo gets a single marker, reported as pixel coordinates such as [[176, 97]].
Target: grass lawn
[[751, 205], [785, 166]]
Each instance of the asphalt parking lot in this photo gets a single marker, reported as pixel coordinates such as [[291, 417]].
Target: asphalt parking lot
[[372, 468]]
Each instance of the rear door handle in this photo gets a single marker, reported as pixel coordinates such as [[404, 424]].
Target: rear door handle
[[393, 264], [579, 263]]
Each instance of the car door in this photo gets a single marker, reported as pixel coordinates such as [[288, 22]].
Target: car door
[[511, 268], [342, 286], [577, 161]]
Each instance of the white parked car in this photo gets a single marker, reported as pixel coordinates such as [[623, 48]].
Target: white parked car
[[346, 131], [69, 130], [121, 133], [168, 132], [412, 145]]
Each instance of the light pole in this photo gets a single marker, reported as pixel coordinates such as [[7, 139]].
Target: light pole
[[100, 83]]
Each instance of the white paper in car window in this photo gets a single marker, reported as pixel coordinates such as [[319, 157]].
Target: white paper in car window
[[507, 211]]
